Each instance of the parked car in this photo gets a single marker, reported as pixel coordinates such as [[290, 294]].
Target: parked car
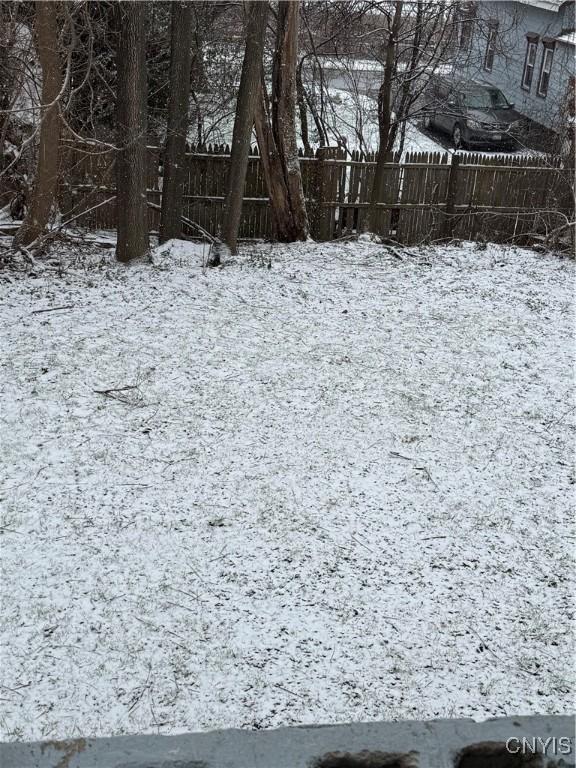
[[474, 114]]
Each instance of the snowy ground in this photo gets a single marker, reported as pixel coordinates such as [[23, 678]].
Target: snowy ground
[[332, 490], [355, 116]]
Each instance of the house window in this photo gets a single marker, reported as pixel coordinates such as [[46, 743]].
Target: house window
[[465, 34], [490, 47], [466, 26], [545, 69], [529, 63]]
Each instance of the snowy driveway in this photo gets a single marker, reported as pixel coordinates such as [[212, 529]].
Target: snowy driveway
[[337, 489]]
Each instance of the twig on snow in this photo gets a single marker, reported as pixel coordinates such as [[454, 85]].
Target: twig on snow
[[498, 658], [180, 605], [115, 389], [362, 544], [428, 475], [396, 455], [115, 393], [51, 309], [189, 594], [395, 252], [292, 693]]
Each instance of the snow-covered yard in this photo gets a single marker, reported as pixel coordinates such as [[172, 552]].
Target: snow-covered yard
[[334, 489], [355, 117]]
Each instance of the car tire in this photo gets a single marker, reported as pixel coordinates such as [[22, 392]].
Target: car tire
[[457, 138]]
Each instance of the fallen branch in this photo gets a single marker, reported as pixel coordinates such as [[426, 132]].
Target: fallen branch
[[115, 389], [51, 309], [188, 223], [394, 252], [397, 455], [392, 245], [114, 393], [88, 210], [286, 690]]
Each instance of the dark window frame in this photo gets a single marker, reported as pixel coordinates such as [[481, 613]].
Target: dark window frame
[[466, 21], [490, 52], [531, 40], [465, 36], [548, 47]]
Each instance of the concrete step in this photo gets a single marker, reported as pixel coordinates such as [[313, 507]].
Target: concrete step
[[516, 742]]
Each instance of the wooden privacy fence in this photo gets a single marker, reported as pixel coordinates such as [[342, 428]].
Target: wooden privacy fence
[[427, 197]]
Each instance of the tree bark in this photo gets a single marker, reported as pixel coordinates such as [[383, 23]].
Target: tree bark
[[175, 150], [320, 127], [284, 111], [406, 90], [302, 108], [384, 117], [132, 210], [46, 183], [246, 105], [276, 131], [272, 168]]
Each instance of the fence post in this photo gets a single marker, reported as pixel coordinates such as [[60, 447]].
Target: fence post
[[325, 185], [317, 212], [448, 228]]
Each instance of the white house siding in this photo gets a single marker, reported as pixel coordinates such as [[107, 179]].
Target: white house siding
[[515, 21]]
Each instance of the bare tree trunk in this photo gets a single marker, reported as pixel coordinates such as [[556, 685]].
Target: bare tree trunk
[[277, 138], [246, 105], [175, 152], [320, 128], [317, 67], [284, 110], [132, 210], [9, 75], [272, 169], [45, 185], [384, 117], [406, 95], [301, 98]]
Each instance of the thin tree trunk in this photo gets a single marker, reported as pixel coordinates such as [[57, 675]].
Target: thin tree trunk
[[246, 105], [284, 111], [317, 67], [272, 169], [301, 98], [384, 118], [132, 210], [406, 94], [320, 128], [277, 138], [46, 183], [175, 151]]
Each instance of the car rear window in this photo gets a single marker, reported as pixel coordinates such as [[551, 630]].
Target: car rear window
[[485, 98]]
